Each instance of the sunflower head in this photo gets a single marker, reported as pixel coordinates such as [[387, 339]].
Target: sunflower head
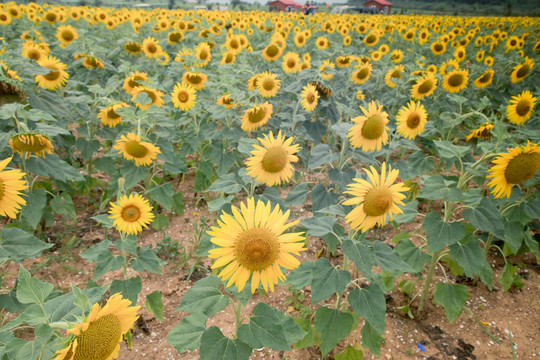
[[12, 186], [369, 131], [483, 132], [131, 213], [31, 143], [133, 149], [256, 116], [521, 108]]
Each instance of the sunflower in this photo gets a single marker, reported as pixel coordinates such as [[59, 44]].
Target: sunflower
[[343, 61], [322, 43], [226, 101], [228, 57], [66, 34], [56, 77], [133, 149], [480, 55], [485, 79], [411, 120], [91, 62], [360, 95], [455, 81], [203, 54], [183, 96], [521, 107], [131, 213], [489, 61], [310, 98], [515, 167], [5, 18], [133, 81], [155, 96], [483, 132], [375, 200], [362, 73], [174, 37], [272, 52], [31, 143], [522, 70], [11, 185], [109, 116], [196, 80], [151, 48], [252, 244], [291, 63], [267, 84], [133, 47], [394, 73], [256, 116], [396, 56], [300, 39], [100, 335], [372, 39], [424, 86], [369, 131], [33, 51], [326, 65]]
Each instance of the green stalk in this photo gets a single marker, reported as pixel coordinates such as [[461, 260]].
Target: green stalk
[[425, 291], [237, 316]]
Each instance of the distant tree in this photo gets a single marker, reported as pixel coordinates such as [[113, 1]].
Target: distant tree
[[508, 5], [171, 4], [235, 3]]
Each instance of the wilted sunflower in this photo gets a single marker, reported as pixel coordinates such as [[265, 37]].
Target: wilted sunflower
[[515, 167], [394, 73], [100, 335], [226, 101], [133, 149], [291, 63], [134, 81], [31, 144], [483, 132], [183, 96], [521, 107], [56, 77], [156, 97], [522, 70], [66, 34], [133, 47], [411, 120], [485, 79], [267, 84], [375, 200], [131, 214], [424, 87], [12, 184], [369, 132], [362, 73], [91, 62], [271, 162], [109, 116], [256, 116], [310, 98], [455, 81], [151, 47], [195, 80], [252, 244]]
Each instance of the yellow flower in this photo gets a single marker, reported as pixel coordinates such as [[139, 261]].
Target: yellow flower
[[196, 80], [369, 132], [12, 184], [134, 81], [322, 43], [485, 79], [394, 73], [455, 81], [483, 132], [151, 47], [521, 108], [183, 96], [252, 244], [226, 101], [31, 143], [326, 65], [155, 96], [362, 73], [256, 117], [109, 116], [272, 52], [291, 63], [372, 39], [133, 149], [203, 54], [424, 87], [66, 34], [411, 120], [56, 77], [267, 84], [131, 214], [522, 70], [133, 47], [310, 98]]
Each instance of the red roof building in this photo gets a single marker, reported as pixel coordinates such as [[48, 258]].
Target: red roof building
[[383, 5], [284, 5]]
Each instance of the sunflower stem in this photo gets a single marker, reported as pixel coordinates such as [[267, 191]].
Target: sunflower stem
[[427, 284], [237, 316], [59, 325]]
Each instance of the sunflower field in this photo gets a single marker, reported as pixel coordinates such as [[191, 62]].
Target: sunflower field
[[338, 158]]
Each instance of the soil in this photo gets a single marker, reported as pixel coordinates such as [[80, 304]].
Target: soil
[[516, 312]]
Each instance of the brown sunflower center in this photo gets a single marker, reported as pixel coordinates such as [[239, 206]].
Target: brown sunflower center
[[373, 127], [194, 79], [396, 74], [203, 54], [175, 37], [426, 87], [100, 339], [229, 59], [131, 213], [151, 95], [53, 75], [413, 120], [257, 115], [151, 48], [371, 39], [522, 168], [362, 74], [135, 149], [291, 63], [256, 249], [485, 78], [455, 80], [268, 84], [272, 51], [523, 71], [111, 114], [183, 96], [50, 17], [34, 54], [234, 44], [300, 39], [378, 201], [523, 107], [133, 47], [274, 160], [310, 98], [67, 35]]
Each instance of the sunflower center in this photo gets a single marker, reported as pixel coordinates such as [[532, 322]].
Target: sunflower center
[[485, 78], [151, 48], [135, 149], [203, 55], [194, 79], [522, 168], [151, 95], [455, 80], [183, 96], [1, 189], [413, 120], [378, 201], [53, 75], [50, 17], [131, 213], [362, 74], [523, 107], [100, 339], [67, 35], [373, 127], [268, 84], [310, 98], [229, 59], [257, 115], [274, 160], [111, 114], [396, 74], [34, 54], [371, 39], [523, 71], [291, 63], [256, 249], [425, 87]]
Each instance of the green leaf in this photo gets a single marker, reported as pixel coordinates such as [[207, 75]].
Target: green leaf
[[362, 254], [301, 276], [437, 187], [419, 163], [226, 183], [69, 307], [91, 254], [215, 346], [178, 203], [245, 146], [187, 333], [220, 203], [486, 217], [17, 244], [350, 353], [129, 288], [506, 279], [327, 280], [310, 338], [31, 290], [451, 297], [320, 198], [388, 260], [154, 304], [204, 176], [107, 262], [469, 255], [370, 304], [147, 260], [319, 226], [412, 255], [105, 164], [33, 211], [371, 339], [440, 233], [104, 220], [513, 235], [271, 194], [162, 194], [63, 205], [132, 173], [320, 155], [298, 195], [160, 222], [269, 327], [447, 150], [204, 297], [333, 239], [87, 148], [53, 166], [333, 325]]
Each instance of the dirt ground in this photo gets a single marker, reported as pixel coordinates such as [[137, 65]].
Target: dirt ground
[[516, 312]]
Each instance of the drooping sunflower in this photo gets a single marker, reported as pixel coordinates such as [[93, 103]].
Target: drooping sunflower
[[256, 116], [271, 162], [66, 34], [455, 81], [131, 213], [411, 120], [267, 84], [56, 77], [252, 244], [30, 143], [228, 57], [362, 73], [100, 335], [513, 168], [310, 98], [522, 70], [134, 81], [521, 107], [291, 63], [155, 96], [424, 86], [133, 149], [183, 96], [196, 80], [91, 62], [133, 47], [151, 47], [226, 101], [109, 117], [369, 132], [394, 73], [483, 132], [375, 200], [253, 82], [12, 184], [485, 79], [343, 61]]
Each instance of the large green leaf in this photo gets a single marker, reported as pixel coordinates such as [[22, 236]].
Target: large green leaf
[[107, 262], [410, 211], [87, 147], [31, 290], [388, 260], [369, 303], [147, 260], [132, 173], [486, 217], [63, 205], [327, 280], [447, 150], [362, 255], [269, 327], [440, 233], [204, 297], [371, 339], [350, 353], [411, 254], [35, 204], [17, 244], [320, 155], [321, 198], [298, 195], [154, 304], [67, 307], [469, 255], [215, 346], [226, 183], [333, 325], [187, 333], [436, 187], [319, 226], [53, 166], [129, 288], [162, 194], [451, 297], [301, 276]]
